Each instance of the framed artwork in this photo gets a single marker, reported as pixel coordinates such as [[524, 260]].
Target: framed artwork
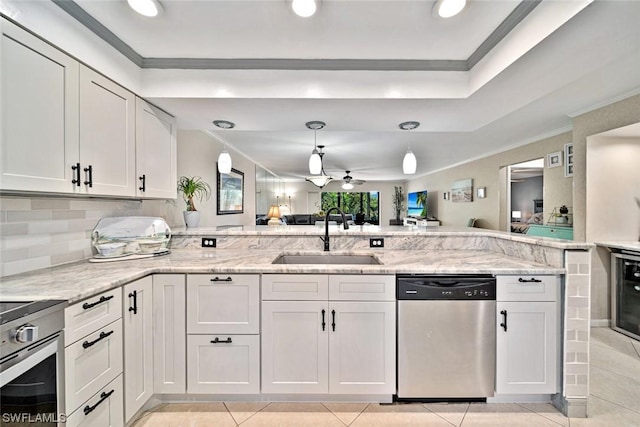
[[230, 194], [568, 157], [462, 190], [482, 192], [554, 160]]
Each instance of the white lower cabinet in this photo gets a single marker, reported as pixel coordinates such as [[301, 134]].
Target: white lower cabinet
[[169, 333], [336, 347], [92, 362], [104, 409], [527, 335], [295, 344], [223, 364], [362, 355], [223, 341], [138, 344]]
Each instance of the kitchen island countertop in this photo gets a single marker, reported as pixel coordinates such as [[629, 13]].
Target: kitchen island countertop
[[80, 280]]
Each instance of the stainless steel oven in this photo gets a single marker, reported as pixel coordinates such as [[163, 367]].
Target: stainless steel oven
[[625, 293], [31, 363]]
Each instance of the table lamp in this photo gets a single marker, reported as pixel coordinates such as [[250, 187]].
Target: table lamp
[[274, 215]]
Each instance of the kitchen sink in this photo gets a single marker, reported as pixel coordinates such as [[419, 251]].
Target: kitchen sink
[[326, 259]]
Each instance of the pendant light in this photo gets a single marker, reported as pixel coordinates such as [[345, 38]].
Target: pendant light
[[409, 162], [448, 8], [150, 8], [315, 160], [322, 179], [224, 159]]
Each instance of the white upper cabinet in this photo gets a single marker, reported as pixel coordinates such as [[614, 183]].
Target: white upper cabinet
[[68, 129], [107, 136], [39, 114], [156, 165]]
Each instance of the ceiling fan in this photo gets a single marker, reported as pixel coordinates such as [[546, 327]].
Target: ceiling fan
[[349, 182]]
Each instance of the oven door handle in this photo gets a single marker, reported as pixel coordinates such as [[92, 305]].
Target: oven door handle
[[103, 396], [27, 359]]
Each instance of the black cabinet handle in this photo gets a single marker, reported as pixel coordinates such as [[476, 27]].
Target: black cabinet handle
[[103, 396], [88, 305], [143, 187], [504, 323], [324, 324], [134, 294], [102, 336], [333, 320], [532, 280], [76, 173], [217, 341], [217, 279], [89, 171]]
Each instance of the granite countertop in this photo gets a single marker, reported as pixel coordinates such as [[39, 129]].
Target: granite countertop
[[624, 245], [77, 281]]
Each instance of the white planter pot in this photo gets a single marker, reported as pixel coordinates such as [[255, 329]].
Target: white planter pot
[[191, 219]]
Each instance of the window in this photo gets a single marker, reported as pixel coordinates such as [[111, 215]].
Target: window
[[354, 203]]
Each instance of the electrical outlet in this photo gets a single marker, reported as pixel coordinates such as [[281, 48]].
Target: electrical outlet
[[208, 242], [376, 243]]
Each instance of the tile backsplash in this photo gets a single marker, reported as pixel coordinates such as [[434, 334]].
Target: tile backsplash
[[40, 232]]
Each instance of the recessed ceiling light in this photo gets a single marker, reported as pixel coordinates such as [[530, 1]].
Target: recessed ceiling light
[[448, 8], [149, 8], [304, 8], [224, 124]]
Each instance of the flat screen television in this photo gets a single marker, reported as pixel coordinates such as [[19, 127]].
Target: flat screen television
[[417, 204]]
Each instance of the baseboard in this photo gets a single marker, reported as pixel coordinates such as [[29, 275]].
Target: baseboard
[[600, 323], [570, 406]]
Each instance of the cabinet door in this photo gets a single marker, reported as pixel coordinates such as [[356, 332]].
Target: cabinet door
[[107, 136], [526, 357], [156, 164], [223, 304], [39, 114], [362, 348], [169, 333], [138, 345], [295, 347], [92, 363], [104, 409], [223, 364]]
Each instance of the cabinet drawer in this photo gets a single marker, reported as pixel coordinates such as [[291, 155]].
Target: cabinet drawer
[[231, 365], [527, 288], [103, 409], [300, 287], [222, 303], [362, 288], [91, 363], [92, 314]]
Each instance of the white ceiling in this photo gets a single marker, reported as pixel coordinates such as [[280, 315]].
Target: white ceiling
[[560, 60]]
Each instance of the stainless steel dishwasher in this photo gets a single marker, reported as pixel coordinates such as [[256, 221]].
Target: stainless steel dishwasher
[[446, 337]]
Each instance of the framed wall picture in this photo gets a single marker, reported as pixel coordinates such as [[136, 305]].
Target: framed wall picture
[[230, 194], [554, 160], [568, 160], [462, 190]]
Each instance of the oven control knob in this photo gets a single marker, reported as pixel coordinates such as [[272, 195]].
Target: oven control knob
[[25, 333]]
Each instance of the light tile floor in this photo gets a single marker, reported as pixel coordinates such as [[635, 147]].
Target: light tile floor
[[614, 402]]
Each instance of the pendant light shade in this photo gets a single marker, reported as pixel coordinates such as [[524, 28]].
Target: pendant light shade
[[224, 162], [315, 163], [409, 163], [320, 180], [148, 8], [304, 8], [448, 8]]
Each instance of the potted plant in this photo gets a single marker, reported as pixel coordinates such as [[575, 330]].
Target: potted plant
[[398, 205], [193, 187]]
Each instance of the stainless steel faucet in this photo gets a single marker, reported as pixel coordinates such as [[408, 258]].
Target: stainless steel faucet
[[325, 239]]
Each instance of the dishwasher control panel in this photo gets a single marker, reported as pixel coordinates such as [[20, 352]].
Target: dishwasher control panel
[[446, 287]]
